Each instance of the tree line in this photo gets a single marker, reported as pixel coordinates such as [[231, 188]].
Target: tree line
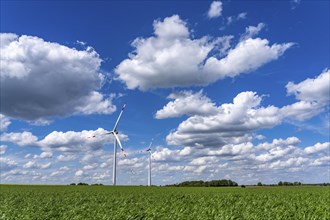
[[86, 184], [212, 183], [285, 183]]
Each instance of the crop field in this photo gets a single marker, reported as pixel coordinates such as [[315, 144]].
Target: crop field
[[106, 202]]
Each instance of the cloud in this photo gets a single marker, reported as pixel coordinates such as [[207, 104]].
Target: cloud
[[79, 173], [204, 160], [260, 137], [7, 164], [24, 138], [318, 147], [46, 155], [215, 9], [66, 158], [279, 142], [3, 149], [35, 165], [90, 166], [60, 171], [133, 162], [232, 123], [312, 90], [164, 60], [323, 161], [279, 158], [295, 4], [231, 150], [186, 103], [247, 56], [40, 80], [165, 154], [240, 16], [302, 110], [4, 122], [313, 96], [70, 141], [253, 31]]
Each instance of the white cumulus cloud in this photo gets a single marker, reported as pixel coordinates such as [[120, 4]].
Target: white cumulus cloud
[[186, 103], [35, 165], [164, 60], [310, 90], [70, 141], [46, 154], [248, 55], [41, 79], [233, 123], [215, 9], [318, 147], [24, 138]]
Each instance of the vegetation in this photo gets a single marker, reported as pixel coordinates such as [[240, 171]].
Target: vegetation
[[212, 183], [107, 202], [82, 184], [289, 184]]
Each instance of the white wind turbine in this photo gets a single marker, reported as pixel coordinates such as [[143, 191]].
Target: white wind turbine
[[149, 173], [116, 140]]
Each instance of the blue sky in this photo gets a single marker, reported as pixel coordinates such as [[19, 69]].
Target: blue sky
[[226, 89]]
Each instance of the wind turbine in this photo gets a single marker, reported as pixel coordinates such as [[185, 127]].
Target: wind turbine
[[116, 140], [114, 132], [149, 173]]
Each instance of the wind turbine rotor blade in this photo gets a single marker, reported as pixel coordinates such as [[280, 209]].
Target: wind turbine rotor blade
[[94, 136], [122, 110], [150, 144], [118, 141]]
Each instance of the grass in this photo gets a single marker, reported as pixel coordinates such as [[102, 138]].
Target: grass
[[106, 202]]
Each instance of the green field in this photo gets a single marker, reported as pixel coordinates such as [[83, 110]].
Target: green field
[[106, 202]]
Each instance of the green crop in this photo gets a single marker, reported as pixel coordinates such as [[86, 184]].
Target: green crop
[[106, 202]]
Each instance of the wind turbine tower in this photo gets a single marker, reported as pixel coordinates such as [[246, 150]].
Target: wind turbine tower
[[149, 173]]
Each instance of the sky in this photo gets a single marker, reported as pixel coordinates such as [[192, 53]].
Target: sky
[[234, 90]]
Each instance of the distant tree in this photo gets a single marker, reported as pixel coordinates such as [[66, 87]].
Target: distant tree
[[212, 183], [285, 183], [82, 184], [259, 184], [72, 184], [97, 184], [243, 186]]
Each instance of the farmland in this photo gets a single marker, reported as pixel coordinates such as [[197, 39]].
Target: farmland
[[106, 202]]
